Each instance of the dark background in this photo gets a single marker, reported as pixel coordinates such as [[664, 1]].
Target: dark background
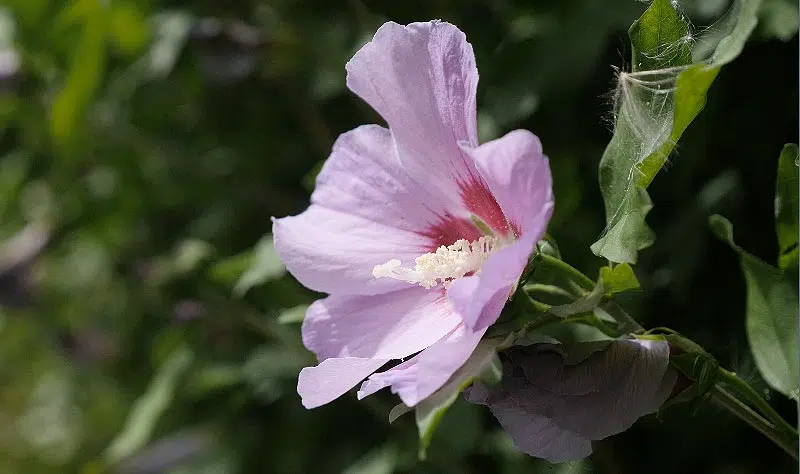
[[151, 142]]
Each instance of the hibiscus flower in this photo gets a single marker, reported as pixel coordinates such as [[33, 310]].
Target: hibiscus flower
[[417, 232]]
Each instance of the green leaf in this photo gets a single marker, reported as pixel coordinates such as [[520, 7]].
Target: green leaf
[[269, 369], [693, 83], [656, 102], [743, 21], [128, 28], [8, 29], [213, 378], [266, 265], [659, 38], [429, 412], [772, 309], [14, 170], [572, 467], [189, 254], [779, 19], [688, 101], [28, 12], [504, 107], [168, 453], [171, 30], [786, 207], [85, 74], [229, 270], [220, 459], [378, 461], [149, 407], [619, 278], [626, 204]]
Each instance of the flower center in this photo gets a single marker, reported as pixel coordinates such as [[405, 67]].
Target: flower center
[[445, 265]]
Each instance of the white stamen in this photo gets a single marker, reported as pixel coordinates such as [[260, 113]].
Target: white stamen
[[446, 264]]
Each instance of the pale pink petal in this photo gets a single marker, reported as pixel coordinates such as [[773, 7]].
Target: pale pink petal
[[422, 79], [441, 360], [332, 378], [403, 374], [363, 177], [518, 175], [386, 326], [419, 377], [479, 299], [334, 252]]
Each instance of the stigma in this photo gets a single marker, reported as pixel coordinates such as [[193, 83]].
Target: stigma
[[445, 265]]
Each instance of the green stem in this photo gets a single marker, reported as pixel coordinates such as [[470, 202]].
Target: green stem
[[568, 270], [751, 395], [533, 304], [549, 290], [627, 324], [726, 400]]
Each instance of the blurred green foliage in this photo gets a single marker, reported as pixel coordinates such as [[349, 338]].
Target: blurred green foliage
[[144, 146]]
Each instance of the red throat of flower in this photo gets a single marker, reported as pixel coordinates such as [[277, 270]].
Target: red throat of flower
[[481, 203]]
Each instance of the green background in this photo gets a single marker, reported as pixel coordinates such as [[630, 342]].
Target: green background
[[155, 139]]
